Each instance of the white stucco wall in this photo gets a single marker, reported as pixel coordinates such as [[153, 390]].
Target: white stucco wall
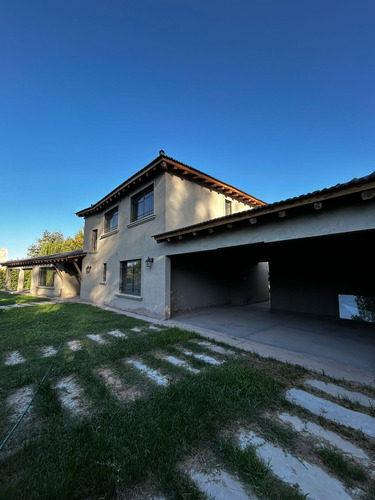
[[340, 220], [131, 241], [177, 203], [45, 291], [189, 203]]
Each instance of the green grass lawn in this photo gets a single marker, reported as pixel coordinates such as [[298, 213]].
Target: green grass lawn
[[132, 448], [8, 299]]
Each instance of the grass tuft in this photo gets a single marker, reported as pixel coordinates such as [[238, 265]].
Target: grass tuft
[[344, 469]]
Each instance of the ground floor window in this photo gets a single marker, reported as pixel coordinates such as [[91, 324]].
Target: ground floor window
[[46, 276], [130, 277], [104, 273]]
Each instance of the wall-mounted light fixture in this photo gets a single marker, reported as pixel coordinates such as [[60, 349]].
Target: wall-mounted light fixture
[[88, 269], [149, 262]]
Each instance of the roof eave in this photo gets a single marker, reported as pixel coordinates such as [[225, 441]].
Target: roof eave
[[315, 199], [168, 164], [40, 260]]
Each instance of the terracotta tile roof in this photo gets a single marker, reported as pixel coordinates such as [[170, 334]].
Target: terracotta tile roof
[[355, 185], [168, 164], [46, 259]]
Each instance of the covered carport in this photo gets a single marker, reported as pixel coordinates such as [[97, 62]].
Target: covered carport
[[304, 276], [319, 248]]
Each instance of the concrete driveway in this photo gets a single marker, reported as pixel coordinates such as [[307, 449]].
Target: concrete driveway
[[341, 348]]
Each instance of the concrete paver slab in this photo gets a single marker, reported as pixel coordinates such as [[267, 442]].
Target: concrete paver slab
[[335, 390], [149, 372], [14, 358], [325, 437], [332, 411], [311, 479], [202, 357], [180, 362], [219, 485], [71, 396], [117, 334]]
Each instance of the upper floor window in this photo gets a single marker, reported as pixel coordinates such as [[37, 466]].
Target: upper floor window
[[94, 240], [111, 220], [143, 204], [228, 207], [46, 276]]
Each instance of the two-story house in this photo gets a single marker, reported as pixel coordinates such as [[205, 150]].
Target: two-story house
[[124, 266], [172, 238]]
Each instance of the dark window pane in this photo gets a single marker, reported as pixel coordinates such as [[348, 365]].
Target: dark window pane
[[46, 276], [228, 207], [130, 277], [111, 220], [94, 240], [143, 204]]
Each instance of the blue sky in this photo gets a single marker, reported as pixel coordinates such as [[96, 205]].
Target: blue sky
[[274, 97]]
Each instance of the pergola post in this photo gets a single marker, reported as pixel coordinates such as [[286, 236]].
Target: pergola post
[[21, 277], [8, 278]]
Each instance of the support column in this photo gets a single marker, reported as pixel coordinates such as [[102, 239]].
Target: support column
[[8, 279], [21, 277], [167, 293]]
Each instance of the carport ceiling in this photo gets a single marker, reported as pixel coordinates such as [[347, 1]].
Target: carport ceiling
[[342, 247]]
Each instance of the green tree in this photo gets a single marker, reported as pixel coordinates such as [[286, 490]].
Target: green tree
[[51, 243], [3, 274], [366, 309], [14, 279], [47, 244], [27, 279], [75, 243]]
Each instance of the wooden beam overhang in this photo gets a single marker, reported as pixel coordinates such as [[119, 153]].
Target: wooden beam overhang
[[77, 269], [58, 272], [39, 261], [277, 211], [165, 163]]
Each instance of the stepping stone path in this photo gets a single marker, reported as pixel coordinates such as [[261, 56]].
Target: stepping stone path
[[19, 400], [311, 479], [97, 338], [182, 363], [48, 351], [14, 358], [71, 396], [219, 485], [333, 411], [337, 391], [202, 357], [117, 334], [116, 385], [215, 348], [149, 372], [325, 437], [75, 345]]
